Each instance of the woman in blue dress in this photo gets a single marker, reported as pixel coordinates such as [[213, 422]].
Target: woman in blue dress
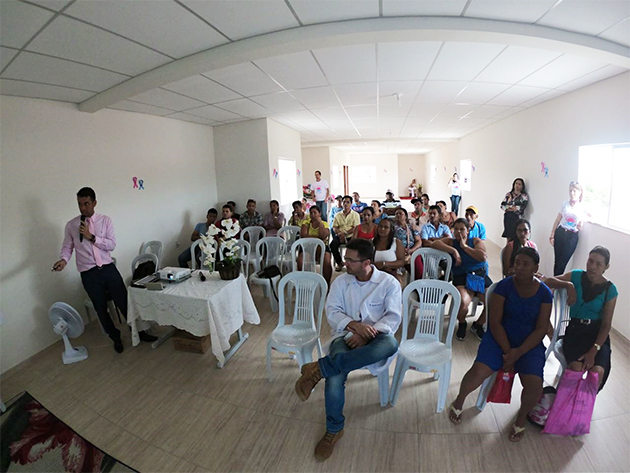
[[519, 316]]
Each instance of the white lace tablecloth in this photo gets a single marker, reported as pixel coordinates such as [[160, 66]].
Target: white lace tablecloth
[[214, 307]]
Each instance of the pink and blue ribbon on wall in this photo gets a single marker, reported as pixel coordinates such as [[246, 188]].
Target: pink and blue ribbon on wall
[[138, 183]]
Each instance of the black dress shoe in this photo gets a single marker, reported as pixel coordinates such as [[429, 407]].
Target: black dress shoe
[[145, 337], [118, 346]]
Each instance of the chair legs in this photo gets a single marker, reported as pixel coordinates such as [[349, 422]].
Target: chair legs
[[443, 374], [383, 387], [445, 379], [484, 390], [399, 374], [269, 360]]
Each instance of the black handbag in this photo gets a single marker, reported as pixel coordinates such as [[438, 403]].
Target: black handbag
[[270, 272]]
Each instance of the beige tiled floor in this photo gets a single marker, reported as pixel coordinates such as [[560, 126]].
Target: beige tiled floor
[[164, 410]]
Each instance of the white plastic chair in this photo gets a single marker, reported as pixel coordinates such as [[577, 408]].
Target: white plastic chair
[[193, 259], [155, 247], [244, 253], [426, 352], [562, 316], [309, 248], [484, 390], [298, 338], [431, 260], [269, 251], [111, 307], [289, 233], [254, 234], [141, 258]]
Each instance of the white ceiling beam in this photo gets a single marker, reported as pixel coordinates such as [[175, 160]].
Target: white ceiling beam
[[367, 31], [316, 144]]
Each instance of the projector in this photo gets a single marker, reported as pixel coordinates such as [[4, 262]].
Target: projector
[[174, 274]]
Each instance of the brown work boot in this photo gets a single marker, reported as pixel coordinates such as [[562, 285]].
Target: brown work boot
[[325, 447], [310, 377]]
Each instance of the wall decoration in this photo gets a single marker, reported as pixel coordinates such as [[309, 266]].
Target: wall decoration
[[544, 169], [275, 173], [410, 170], [138, 183], [385, 171], [299, 173], [473, 168]]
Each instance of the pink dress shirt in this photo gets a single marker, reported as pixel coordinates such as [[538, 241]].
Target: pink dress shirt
[[105, 242]]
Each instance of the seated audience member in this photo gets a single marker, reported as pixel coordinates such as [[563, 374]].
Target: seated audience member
[[315, 227], [274, 220], [523, 232], [417, 214], [470, 272], [298, 217], [306, 205], [424, 198], [519, 315], [378, 211], [408, 235], [200, 229], [226, 214], [475, 229], [364, 310], [592, 297], [344, 224], [367, 229], [251, 218], [336, 208], [389, 254], [357, 205], [390, 204], [232, 204], [433, 229], [446, 217]]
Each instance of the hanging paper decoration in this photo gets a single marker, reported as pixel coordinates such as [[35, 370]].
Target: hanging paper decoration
[[385, 170], [544, 169], [410, 170]]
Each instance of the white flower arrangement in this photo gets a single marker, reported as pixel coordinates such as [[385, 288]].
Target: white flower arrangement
[[217, 236]]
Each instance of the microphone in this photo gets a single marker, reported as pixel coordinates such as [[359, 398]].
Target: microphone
[[81, 234]]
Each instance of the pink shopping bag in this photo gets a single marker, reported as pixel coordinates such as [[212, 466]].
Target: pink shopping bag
[[501, 392], [572, 409]]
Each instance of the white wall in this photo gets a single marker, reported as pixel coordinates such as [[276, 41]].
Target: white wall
[[283, 142], [316, 159], [551, 132], [338, 159], [410, 167], [386, 177], [48, 151]]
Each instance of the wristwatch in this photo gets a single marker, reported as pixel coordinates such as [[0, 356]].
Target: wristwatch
[[597, 347]]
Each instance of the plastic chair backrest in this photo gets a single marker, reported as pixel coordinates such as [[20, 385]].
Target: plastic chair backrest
[[431, 260], [489, 293], [290, 234], [254, 234], [193, 247], [562, 314], [141, 258], [310, 289], [155, 247], [270, 251], [309, 247], [431, 302]]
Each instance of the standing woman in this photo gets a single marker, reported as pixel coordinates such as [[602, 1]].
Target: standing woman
[[514, 206], [592, 298], [456, 193], [565, 230]]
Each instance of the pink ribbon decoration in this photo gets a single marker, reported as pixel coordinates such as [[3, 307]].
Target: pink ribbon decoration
[[135, 182]]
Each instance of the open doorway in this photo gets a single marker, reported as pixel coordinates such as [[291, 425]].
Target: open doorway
[[287, 177]]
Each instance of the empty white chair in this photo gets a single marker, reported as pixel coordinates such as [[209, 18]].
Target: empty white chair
[[426, 351], [299, 337], [193, 248], [484, 390], [431, 260], [308, 247], [289, 233], [244, 254], [154, 247], [141, 258], [269, 252]]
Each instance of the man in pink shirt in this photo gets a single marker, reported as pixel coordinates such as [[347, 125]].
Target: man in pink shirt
[[92, 236]]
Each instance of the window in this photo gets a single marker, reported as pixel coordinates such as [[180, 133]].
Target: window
[[287, 175], [603, 173]]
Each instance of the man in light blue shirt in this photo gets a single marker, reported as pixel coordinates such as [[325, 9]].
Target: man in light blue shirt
[[335, 211], [200, 229], [357, 205], [433, 229], [364, 310], [477, 230]]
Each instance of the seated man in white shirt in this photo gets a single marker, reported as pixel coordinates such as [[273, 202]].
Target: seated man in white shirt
[[364, 310]]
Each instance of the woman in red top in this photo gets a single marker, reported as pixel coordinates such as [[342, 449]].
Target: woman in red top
[[367, 229]]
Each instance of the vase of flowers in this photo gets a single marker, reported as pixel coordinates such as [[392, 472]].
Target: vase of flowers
[[223, 239]]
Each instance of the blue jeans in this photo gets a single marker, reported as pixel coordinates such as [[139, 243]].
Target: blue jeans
[[323, 209], [339, 362], [455, 204]]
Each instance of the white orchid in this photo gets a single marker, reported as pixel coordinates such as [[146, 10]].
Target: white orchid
[[224, 237]]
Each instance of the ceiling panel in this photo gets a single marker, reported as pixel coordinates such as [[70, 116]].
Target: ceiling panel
[[166, 99], [362, 111], [42, 91], [37, 68], [129, 106], [391, 109], [425, 7], [543, 98], [279, 102], [517, 94], [348, 64], [463, 61], [155, 24], [320, 11], [214, 113], [480, 92], [244, 107], [19, 22], [201, 88], [52, 4], [457, 110], [246, 79], [244, 18], [516, 63], [335, 113], [488, 111], [305, 118], [317, 97], [595, 76], [619, 33], [586, 16], [562, 70], [524, 12], [356, 94], [6, 55], [406, 89], [191, 118], [406, 61], [71, 39], [294, 71], [440, 91]]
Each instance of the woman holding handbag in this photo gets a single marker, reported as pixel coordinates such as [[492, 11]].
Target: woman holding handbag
[[520, 308], [592, 297]]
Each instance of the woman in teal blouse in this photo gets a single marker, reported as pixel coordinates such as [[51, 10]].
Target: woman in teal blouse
[[592, 298]]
